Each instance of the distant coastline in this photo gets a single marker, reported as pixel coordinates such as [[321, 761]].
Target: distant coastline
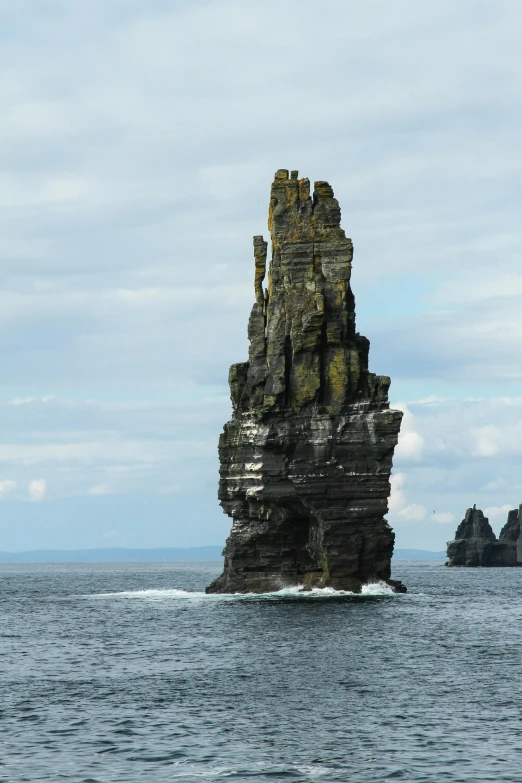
[[158, 555], [418, 554]]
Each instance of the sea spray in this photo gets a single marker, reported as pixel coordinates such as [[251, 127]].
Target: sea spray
[[372, 589]]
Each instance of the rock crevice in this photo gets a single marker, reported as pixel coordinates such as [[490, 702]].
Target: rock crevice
[[306, 459]]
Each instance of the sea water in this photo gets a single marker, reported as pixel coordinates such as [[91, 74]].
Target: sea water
[[130, 673]]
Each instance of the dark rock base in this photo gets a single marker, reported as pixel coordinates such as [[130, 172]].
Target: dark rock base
[[271, 583], [307, 494]]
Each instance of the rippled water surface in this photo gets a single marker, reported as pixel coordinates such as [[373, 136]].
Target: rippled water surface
[[130, 673]]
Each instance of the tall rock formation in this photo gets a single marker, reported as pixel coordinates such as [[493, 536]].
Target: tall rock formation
[[306, 459], [476, 544]]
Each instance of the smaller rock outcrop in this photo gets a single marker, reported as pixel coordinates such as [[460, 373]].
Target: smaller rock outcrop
[[511, 537], [511, 530], [475, 543]]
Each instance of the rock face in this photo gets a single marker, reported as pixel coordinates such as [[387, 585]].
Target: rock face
[[511, 538], [475, 543], [306, 459]]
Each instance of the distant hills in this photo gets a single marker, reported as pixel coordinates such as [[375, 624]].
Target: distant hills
[[418, 554], [113, 555], [167, 554]]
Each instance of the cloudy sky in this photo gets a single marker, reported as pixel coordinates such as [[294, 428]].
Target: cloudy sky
[[138, 142]]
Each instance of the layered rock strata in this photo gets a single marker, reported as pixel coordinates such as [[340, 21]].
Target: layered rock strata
[[305, 461], [476, 544]]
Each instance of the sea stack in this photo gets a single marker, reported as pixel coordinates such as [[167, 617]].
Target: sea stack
[[305, 461], [511, 536], [475, 543]]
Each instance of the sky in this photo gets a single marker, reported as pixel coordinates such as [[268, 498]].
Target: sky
[[138, 143]]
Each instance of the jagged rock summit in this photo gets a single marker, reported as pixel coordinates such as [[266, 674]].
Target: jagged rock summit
[[305, 461], [476, 544]]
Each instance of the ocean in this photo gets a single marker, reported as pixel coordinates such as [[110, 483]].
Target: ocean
[[128, 672]]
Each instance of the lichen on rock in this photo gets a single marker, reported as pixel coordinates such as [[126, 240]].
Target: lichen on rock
[[305, 461]]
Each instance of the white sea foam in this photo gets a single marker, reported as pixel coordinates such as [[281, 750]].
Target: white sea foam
[[377, 588], [295, 592]]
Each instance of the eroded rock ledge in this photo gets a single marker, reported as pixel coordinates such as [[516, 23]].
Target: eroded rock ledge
[[306, 459]]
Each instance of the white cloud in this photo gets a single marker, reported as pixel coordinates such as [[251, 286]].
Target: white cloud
[[499, 484], [472, 343], [444, 517], [411, 445], [7, 488], [397, 503], [37, 489], [396, 499], [100, 489], [486, 440], [476, 429], [413, 513], [472, 451], [30, 400], [496, 513], [115, 448], [101, 451]]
